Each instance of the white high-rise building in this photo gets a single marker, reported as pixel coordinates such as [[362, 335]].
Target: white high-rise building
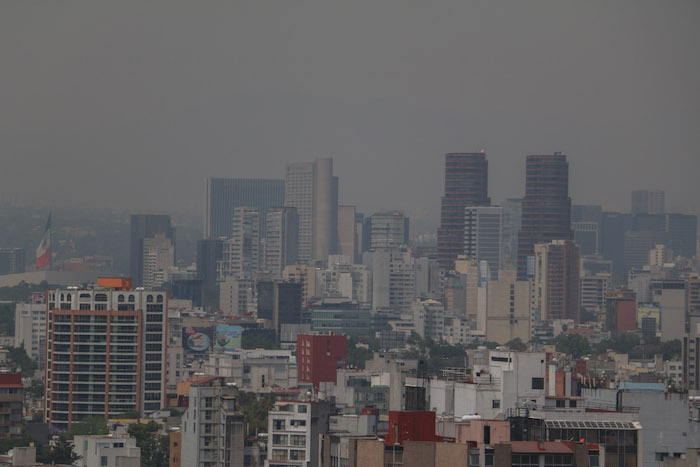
[[158, 259], [282, 240], [30, 330], [241, 252], [393, 277], [313, 190], [483, 234]]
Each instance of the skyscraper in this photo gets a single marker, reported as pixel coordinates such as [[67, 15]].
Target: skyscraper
[[313, 190], [152, 246], [556, 281], [226, 194], [105, 352], [282, 239], [466, 184], [546, 214], [648, 202], [510, 225], [241, 253], [387, 229], [482, 232], [347, 236]]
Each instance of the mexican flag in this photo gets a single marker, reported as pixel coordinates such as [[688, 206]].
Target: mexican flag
[[43, 252]]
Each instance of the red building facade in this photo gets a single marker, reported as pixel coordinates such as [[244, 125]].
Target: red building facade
[[319, 356]]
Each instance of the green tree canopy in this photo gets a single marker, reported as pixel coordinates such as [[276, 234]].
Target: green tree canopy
[[255, 410], [155, 448], [88, 426], [572, 344], [516, 344], [62, 452]]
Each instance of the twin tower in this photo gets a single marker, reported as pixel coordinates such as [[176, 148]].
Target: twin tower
[[546, 207]]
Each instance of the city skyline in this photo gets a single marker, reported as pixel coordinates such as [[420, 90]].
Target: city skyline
[[465, 85]]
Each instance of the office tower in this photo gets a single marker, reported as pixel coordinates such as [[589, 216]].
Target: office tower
[[466, 184], [586, 237], [319, 357], [235, 295], [482, 235], [347, 235], [428, 278], [638, 244], [282, 240], [11, 260], [614, 225], [510, 225], [648, 202], [152, 247], [546, 206], [11, 405], [313, 190], [671, 295], [621, 311], [241, 252], [593, 290], [362, 243], [30, 330], [209, 253], [393, 277], [105, 352], [158, 260], [279, 302], [586, 213], [224, 195], [682, 234], [556, 281], [388, 229], [212, 426]]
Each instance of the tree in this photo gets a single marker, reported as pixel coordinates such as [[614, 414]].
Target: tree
[[670, 349], [88, 426], [130, 414], [155, 448], [516, 344], [624, 342], [62, 452], [572, 344], [359, 354], [19, 356], [587, 316], [255, 410]]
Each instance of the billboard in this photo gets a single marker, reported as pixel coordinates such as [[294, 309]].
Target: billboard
[[228, 337], [197, 339]]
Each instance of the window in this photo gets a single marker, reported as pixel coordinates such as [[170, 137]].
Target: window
[[537, 383], [297, 423], [278, 424], [496, 404], [525, 460], [103, 460], [561, 403], [297, 455], [279, 440], [301, 408], [298, 440]]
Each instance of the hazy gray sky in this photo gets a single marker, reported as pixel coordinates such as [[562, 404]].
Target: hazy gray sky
[[135, 104]]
